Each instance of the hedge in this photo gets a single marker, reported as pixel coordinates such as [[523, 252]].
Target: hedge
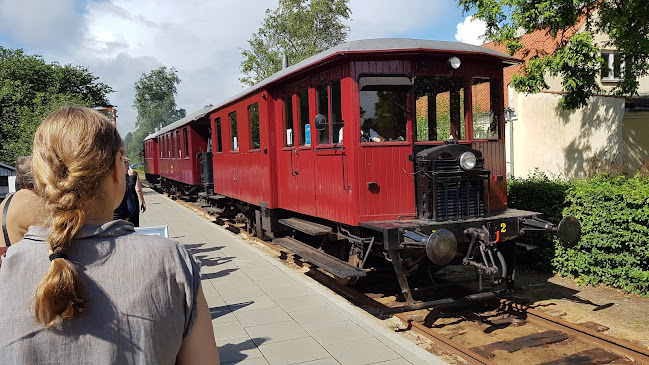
[[614, 214]]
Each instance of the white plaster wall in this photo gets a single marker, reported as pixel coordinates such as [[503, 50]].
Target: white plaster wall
[[565, 143], [635, 133]]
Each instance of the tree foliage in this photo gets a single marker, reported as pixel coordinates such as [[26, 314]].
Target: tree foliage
[[577, 60], [155, 103], [298, 29], [30, 89]]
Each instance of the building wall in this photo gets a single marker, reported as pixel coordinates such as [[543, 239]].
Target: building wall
[[566, 143], [635, 137]]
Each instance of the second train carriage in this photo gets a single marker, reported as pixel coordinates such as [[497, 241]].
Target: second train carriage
[[182, 146], [151, 159], [387, 146]]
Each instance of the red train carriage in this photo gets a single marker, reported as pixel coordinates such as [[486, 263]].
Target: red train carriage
[[182, 146], [392, 147], [151, 159]]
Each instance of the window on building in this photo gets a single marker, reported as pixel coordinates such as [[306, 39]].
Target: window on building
[[287, 114], [186, 138], [613, 68], [485, 105], [440, 109], [219, 139], [304, 132], [234, 139], [253, 120]]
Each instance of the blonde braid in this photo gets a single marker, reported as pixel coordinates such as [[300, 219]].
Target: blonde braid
[[74, 148]]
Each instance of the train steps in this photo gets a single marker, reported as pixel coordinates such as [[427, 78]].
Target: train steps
[[310, 228], [326, 262]]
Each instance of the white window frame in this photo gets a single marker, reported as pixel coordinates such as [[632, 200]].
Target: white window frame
[[609, 58]]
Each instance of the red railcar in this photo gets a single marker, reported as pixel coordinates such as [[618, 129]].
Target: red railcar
[[182, 145], [387, 146], [151, 159]]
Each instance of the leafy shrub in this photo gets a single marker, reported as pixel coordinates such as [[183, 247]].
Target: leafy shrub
[[614, 214], [539, 193], [614, 248]]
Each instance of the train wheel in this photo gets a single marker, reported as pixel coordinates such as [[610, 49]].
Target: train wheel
[[354, 260]]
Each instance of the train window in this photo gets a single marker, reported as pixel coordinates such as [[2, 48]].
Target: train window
[[168, 148], [186, 139], [383, 114], [336, 119], [234, 139], [440, 108], [219, 139], [322, 107], [303, 117], [287, 111], [484, 104], [178, 145], [253, 119]]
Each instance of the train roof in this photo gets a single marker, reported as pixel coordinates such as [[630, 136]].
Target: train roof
[[382, 45], [181, 122]]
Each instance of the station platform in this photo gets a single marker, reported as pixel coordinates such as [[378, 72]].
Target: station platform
[[265, 313]]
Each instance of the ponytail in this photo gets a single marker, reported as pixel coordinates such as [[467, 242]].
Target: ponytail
[[74, 148]]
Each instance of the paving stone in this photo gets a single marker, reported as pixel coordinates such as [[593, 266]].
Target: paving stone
[[233, 283], [277, 332], [252, 361], [284, 292], [293, 351], [310, 301], [237, 350], [228, 330], [360, 352], [330, 333], [252, 304], [262, 316], [327, 361], [222, 314], [240, 293], [313, 317], [274, 273]]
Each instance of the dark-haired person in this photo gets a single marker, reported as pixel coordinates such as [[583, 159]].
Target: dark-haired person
[[87, 289], [23, 208], [135, 186]]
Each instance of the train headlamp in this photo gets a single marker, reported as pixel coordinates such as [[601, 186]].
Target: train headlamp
[[467, 161], [454, 63]]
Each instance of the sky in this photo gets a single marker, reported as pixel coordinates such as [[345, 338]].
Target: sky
[[119, 40]]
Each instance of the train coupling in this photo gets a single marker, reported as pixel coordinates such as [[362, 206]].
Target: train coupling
[[568, 231]]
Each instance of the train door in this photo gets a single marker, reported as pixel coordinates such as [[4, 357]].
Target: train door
[[332, 183], [296, 170], [386, 178]]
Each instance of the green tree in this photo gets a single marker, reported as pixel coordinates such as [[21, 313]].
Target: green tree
[[30, 89], [298, 29], [577, 60], [155, 103]]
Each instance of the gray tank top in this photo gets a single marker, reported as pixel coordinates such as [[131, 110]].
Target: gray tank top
[[141, 293]]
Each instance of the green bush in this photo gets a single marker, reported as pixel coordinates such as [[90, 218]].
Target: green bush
[[614, 214], [541, 194], [614, 248]]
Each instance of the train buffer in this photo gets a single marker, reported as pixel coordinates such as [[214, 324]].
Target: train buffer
[[310, 228], [328, 263]]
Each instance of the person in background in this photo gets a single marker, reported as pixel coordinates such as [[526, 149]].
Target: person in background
[[87, 289], [128, 206], [23, 208], [136, 191]]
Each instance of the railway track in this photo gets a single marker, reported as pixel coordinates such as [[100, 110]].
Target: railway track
[[481, 328]]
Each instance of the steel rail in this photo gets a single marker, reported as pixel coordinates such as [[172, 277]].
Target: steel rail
[[447, 344], [617, 346]]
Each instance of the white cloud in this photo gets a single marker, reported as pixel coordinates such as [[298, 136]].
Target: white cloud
[[471, 31], [43, 23], [119, 40]]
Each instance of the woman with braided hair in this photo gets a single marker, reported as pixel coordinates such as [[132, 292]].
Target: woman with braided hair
[[85, 288]]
